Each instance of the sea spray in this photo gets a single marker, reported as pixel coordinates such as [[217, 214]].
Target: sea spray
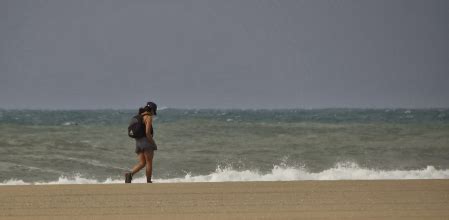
[[341, 171]]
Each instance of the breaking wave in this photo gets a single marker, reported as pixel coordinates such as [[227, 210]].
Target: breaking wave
[[342, 171]]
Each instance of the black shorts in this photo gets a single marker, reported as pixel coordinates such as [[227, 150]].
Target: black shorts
[[142, 144]]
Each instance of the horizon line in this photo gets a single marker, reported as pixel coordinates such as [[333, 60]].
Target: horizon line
[[226, 109]]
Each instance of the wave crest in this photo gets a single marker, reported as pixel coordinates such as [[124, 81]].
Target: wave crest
[[342, 171]]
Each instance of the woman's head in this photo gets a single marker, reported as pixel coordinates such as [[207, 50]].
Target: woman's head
[[151, 107], [147, 110]]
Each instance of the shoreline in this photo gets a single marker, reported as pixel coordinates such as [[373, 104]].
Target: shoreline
[[330, 199]]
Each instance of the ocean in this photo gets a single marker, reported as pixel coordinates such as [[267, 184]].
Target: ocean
[[207, 145]]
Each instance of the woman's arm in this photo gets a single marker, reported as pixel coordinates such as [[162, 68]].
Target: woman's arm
[[148, 120]]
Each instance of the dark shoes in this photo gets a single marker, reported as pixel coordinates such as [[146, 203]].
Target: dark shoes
[[128, 177]]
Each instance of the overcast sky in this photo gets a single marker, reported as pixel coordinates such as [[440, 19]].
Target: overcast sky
[[88, 54]]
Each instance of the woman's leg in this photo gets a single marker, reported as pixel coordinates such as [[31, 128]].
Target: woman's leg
[[140, 165], [149, 160]]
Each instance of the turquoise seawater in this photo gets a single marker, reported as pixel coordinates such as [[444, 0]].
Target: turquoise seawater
[[92, 146]]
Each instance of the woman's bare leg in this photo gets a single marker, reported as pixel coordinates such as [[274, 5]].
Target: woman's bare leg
[[149, 161], [140, 165]]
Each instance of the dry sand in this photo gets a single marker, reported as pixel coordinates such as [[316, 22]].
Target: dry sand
[[405, 199]]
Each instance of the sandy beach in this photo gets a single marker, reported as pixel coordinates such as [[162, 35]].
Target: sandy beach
[[395, 199]]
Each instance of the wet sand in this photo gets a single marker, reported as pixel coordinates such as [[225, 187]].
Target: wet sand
[[380, 199]]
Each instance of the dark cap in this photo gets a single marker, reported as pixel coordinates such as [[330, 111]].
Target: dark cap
[[152, 106]]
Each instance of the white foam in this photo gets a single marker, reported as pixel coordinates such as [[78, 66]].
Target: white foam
[[76, 179], [69, 123], [14, 182], [342, 171]]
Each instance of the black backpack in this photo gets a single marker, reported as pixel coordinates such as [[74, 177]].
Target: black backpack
[[136, 128]]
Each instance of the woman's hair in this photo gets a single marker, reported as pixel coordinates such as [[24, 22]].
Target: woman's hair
[[145, 109]]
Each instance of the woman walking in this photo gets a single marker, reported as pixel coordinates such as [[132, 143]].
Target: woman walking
[[145, 145]]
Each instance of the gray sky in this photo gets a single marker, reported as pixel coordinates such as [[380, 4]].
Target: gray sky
[[224, 54]]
